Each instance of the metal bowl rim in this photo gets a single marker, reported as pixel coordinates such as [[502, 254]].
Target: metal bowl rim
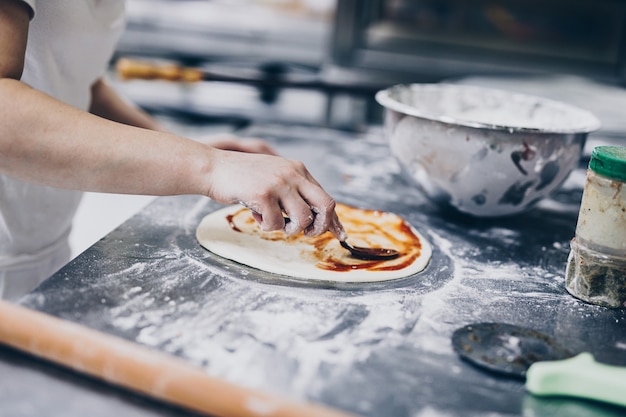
[[383, 97]]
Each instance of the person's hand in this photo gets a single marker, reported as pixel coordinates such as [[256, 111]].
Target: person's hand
[[233, 143], [274, 187]]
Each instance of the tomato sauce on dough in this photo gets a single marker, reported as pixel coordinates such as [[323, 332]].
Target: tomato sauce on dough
[[368, 228]]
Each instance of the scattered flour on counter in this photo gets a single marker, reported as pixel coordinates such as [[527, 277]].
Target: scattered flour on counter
[[501, 235], [433, 412], [435, 307], [282, 338], [268, 336]]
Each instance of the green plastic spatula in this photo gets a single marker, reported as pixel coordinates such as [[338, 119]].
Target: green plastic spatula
[[581, 376], [549, 368]]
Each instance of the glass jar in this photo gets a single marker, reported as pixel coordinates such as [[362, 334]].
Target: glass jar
[[596, 267]]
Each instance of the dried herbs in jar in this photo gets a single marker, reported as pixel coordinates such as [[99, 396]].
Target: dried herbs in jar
[[596, 268]]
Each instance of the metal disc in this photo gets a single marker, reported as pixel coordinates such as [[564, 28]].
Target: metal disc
[[505, 348]]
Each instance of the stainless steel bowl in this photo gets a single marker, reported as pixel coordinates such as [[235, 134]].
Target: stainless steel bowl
[[482, 151]]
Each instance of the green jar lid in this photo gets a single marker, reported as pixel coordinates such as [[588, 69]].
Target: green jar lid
[[609, 161]]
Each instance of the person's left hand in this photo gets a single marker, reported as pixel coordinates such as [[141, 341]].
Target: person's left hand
[[239, 144]]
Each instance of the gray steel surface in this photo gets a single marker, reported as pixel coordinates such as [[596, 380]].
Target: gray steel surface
[[380, 349]]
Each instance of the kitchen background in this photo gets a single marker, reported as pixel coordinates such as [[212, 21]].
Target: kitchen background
[[319, 63]]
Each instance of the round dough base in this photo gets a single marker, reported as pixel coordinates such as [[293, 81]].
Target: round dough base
[[291, 259]]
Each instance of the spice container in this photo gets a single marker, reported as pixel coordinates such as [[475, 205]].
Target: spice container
[[596, 268]]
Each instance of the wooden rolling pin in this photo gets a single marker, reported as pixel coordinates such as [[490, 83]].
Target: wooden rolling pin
[[140, 369]]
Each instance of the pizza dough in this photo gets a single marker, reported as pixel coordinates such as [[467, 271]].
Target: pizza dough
[[233, 233]]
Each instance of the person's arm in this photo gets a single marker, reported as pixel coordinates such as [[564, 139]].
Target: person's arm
[[45, 141], [107, 103]]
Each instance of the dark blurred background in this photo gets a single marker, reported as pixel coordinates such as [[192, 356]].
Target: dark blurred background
[[354, 47]]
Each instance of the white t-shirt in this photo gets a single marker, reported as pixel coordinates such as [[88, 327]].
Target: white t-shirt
[[70, 43]]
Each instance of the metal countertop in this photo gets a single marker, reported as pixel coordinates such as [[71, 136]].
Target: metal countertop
[[379, 349]]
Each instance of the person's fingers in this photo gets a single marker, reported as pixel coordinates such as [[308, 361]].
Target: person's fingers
[[323, 208], [269, 215], [300, 215], [254, 145], [271, 187], [248, 145], [256, 216], [337, 229]]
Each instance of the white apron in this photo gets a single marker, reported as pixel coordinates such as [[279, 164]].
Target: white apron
[[70, 43]]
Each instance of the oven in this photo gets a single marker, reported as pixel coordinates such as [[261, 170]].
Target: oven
[[431, 40]]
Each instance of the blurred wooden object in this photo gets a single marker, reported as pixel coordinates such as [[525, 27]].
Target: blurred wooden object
[[132, 366]]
